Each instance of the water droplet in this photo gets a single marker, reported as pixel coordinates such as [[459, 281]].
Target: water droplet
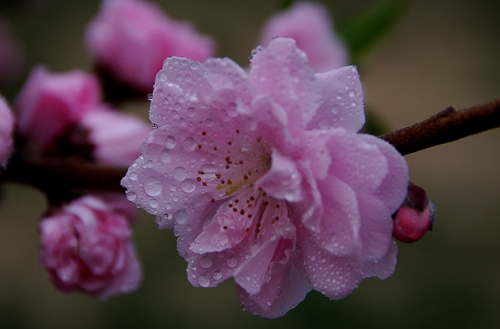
[[133, 176], [353, 104], [231, 110], [170, 142], [131, 196], [153, 187], [209, 122], [205, 261], [208, 169], [180, 174], [188, 185], [180, 216], [351, 93], [189, 144], [155, 126], [150, 97], [269, 303], [204, 281], [153, 203], [191, 111], [266, 277], [165, 156], [339, 96], [193, 65], [217, 275], [232, 262]]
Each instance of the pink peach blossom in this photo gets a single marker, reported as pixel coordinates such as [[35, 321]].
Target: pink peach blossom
[[131, 38], [117, 137], [86, 247], [264, 178], [6, 131], [311, 27], [50, 103]]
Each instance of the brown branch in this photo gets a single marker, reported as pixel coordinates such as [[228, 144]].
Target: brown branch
[[444, 127], [51, 174], [61, 175]]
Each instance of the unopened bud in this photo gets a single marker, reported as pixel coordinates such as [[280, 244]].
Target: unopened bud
[[415, 216]]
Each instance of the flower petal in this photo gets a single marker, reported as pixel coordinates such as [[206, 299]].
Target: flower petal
[[282, 71], [342, 100]]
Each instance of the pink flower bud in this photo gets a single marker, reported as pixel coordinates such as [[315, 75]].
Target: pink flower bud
[[415, 216], [311, 27], [132, 38], [86, 247], [117, 137], [50, 103], [6, 129]]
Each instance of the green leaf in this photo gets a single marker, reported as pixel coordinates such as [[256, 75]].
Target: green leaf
[[368, 29]]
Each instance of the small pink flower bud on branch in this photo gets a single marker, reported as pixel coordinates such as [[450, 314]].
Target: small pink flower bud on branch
[[415, 216]]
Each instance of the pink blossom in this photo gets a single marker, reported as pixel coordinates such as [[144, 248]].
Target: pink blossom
[[264, 179], [86, 247], [6, 130], [50, 103], [131, 38], [117, 137], [311, 27], [11, 57], [415, 216]]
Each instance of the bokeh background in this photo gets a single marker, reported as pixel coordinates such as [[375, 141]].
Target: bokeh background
[[441, 53]]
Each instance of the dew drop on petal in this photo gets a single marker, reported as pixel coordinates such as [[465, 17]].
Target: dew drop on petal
[[232, 262], [153, 203], [165, 156], [170, 142], [133, 176], [131, 196], [153, 187], [206, 262], [204, 281], [209, 122], [189, 144], [217, 275], [180, 216], [191, 111], [180, 174], [351, 93], [188, 185]]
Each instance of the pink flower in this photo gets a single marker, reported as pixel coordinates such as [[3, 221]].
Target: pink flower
[[415, 216], [132, 38], [50, 103], [117, 137], [311, 27], [86, 247], [6, 130], [264, 179]]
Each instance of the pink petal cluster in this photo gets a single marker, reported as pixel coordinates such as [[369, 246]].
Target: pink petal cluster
[[131, 38], [86, 247], [415, 216], [6, 131], [311, 27], [116, 137], [264, 178], [53, 106], [49, 103]]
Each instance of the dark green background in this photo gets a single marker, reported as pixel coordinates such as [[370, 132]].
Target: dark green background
[[442, 53]]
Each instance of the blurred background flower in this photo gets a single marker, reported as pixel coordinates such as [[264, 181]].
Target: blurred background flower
[[441, 53]]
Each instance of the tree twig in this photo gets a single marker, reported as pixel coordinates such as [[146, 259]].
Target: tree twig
[[444, 127]]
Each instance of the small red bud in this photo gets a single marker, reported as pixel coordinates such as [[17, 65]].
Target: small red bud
[[415, 216]]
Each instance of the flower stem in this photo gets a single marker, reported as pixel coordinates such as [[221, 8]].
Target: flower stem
[[444, 127]]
